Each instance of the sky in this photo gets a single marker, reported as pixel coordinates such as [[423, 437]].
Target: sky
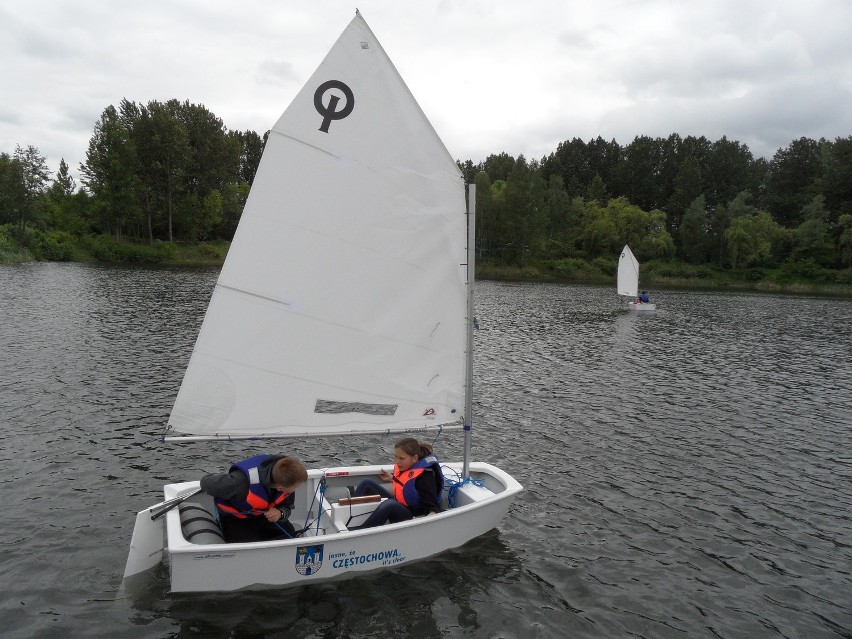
[[493, 76]]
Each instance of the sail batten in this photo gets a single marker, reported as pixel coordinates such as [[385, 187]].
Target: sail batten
[[345, 282]]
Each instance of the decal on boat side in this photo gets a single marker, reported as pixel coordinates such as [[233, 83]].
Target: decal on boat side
[[351, 559], [215, 555], [309, 559]]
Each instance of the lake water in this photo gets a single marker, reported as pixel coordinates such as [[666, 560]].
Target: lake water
[[688, 472]]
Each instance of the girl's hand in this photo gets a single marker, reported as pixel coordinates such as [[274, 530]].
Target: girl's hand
[[385, 476]]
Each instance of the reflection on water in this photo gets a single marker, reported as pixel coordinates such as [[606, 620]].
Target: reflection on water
[[434, 595], [687, 471]]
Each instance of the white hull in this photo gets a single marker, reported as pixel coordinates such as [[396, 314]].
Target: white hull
[[641, 308], [332, 552]]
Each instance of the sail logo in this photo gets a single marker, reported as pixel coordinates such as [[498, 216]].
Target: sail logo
[[330, 112], [309, 559], [429, 412]]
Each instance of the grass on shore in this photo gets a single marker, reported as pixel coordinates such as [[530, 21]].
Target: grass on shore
[[803, 277], [800, 278], [59, 246]]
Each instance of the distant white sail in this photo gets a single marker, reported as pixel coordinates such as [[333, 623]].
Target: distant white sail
[[628, 274], [341, 306]]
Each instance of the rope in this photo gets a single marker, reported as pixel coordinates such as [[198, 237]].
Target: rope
[[452, 487], [437, 435], [320, 490], [322, 495]]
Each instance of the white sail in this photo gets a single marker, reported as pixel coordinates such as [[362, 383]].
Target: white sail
[[628, 274], [341, 306]]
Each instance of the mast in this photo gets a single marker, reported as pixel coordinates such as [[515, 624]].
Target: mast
[[471, 276]]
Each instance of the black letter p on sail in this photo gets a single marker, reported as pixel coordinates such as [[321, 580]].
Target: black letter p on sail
[[330, 112]]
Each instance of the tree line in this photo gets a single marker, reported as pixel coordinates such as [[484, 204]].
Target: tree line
[[172, 172], [691, 199], [168, 171]]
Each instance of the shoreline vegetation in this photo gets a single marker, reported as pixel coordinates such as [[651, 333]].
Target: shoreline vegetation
[[770, 280], [800, 278]]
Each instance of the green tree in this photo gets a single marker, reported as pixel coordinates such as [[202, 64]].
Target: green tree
[[844, 242], [523, 201], [750, 239], [795, 174], [233, 202], [499, 167], [251, 145], [838, 177], [164, 153], [637, 172], [64, 212], [33, 172], [812, 239], [597, 190], [12, 190], [503, 237], [693, 232], [570, 161], [740, 206], [668, 167], [64, 184], [717, 245], [468, 170], [645, 231], [214, 162], [557, 206], [687, 187], [110, 172], [486, 222], [631, 223], [213, 208], [658, 242], [727, 171], [599, 234], [602, 161]]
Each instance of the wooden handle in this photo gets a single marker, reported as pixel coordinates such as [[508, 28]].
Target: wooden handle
[[366, 499]]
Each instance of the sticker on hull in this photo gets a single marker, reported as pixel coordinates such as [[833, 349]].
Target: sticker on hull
[[309, 559]]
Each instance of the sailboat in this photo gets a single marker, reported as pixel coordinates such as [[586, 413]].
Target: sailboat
[[344, 307], [628, 281]]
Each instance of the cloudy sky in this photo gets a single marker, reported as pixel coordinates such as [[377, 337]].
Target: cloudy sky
[[518, 76]]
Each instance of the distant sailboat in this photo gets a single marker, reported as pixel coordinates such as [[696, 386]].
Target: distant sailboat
[[344, 307], [628, 281]]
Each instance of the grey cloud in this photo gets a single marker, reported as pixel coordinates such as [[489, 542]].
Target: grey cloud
[[280, 72]]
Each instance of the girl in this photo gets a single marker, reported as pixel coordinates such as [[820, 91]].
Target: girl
[[417, 485]]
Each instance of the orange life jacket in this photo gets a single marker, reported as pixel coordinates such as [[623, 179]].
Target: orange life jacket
[[404, 488], [257, 501], [400, 479]]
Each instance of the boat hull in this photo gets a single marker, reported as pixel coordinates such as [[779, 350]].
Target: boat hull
[[641, 308], [330, 551]]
